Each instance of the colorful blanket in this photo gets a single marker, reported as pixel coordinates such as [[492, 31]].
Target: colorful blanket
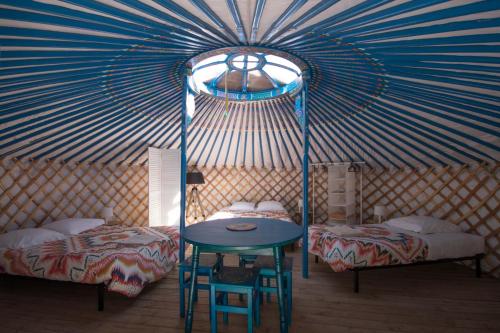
[[364, 246], [123, 258], [226, 213]]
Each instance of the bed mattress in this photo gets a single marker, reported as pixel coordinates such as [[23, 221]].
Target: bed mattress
[[351, 247], [125, 259], [450, 245]]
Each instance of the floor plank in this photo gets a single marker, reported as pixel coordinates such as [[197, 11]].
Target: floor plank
[[437, 298]]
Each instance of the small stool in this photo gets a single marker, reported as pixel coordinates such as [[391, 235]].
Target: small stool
[[208, 265], [234, 280], [267, 269]]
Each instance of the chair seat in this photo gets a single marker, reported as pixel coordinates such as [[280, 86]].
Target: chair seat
[[206, 260], [268, 262], [236, 276]]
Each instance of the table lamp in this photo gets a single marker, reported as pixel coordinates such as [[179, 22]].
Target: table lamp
[[380, 211], [107, 213]]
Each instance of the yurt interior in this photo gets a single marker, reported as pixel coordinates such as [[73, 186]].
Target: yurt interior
[[249, 166]]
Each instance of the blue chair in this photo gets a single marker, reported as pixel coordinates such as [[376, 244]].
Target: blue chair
[[266, 267], [234, 280], [209, 264]]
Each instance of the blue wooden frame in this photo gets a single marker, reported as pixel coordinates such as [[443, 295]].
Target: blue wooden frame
[[185, 88], [305, 165], [385, 98], [305, 177]]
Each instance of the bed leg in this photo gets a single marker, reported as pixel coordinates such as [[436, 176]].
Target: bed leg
[[356, 281], [316, 259], [100, 297], [478, 266]]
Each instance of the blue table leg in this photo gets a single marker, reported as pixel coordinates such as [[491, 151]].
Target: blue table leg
[[188, 325], [278, 262]]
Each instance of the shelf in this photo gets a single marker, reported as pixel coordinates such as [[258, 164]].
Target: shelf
[[341, 195]]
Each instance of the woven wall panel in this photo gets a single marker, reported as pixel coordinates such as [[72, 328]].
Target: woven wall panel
[[223, 186], [36, 192], [468, 196], [465, 195], [33, 193]]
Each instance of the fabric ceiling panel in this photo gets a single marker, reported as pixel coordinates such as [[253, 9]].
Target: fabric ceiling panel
[[393, 83]]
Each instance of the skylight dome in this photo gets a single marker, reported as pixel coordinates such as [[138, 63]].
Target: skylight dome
[[246, 73]]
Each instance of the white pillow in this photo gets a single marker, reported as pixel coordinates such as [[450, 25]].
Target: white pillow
[[22, 238], [242, 205], [423, 224], [73, 226], [269, 205]]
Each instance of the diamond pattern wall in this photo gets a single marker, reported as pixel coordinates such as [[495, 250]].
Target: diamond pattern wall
[[32, 193]]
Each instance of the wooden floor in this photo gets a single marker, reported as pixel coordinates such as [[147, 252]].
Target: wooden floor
[[436, 298]]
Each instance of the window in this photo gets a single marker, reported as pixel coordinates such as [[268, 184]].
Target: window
[[246, 75]]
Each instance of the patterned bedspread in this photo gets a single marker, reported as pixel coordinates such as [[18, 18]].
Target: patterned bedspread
[[348, 247], [124, 258], [225, 213]]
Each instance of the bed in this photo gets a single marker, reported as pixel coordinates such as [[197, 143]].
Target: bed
[[119, 259], [364, 247], [227, 213], [264, 209]]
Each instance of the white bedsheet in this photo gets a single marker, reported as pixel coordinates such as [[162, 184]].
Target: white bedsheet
[[453, 245], [449, 245]]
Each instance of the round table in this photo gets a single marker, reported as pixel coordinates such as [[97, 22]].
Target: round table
[[213, 236]]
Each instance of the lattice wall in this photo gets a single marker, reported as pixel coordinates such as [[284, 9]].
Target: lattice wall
[[465, 195], [34, 192], [224, 186]]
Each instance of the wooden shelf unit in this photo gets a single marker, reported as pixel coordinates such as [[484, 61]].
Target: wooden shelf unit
[[341, 194]]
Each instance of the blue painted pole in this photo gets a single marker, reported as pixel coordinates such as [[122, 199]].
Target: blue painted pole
[[185, 88], [305, 180]]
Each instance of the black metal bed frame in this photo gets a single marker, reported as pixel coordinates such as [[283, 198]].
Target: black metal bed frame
[[100, 296], [101, 288], [477, 258]]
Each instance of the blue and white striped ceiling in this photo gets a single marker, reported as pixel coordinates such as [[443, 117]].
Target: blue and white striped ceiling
[[394, 83]]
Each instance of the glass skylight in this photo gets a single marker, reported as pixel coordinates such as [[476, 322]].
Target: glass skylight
[[244, 75]]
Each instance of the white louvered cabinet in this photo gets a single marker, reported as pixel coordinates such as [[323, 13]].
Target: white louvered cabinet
[[164, 186]]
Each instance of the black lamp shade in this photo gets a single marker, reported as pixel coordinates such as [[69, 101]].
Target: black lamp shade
[[194, 178]]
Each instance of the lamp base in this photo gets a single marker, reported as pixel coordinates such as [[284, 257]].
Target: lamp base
[[194, 202]]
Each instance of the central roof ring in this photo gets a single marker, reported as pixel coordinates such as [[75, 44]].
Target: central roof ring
[[246, 73]]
